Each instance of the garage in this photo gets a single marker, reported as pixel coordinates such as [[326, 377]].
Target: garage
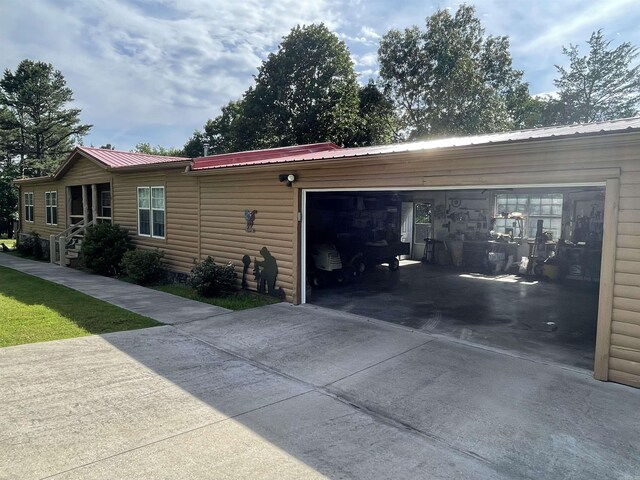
[[514, 268], [563, 309]]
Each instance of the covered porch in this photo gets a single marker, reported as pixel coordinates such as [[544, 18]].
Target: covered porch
[[90, 203]]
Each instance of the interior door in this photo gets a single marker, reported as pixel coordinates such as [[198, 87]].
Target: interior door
[[422, 227], [406, 229]]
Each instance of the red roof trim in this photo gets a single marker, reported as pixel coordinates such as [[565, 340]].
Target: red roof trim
[[624, 125], [118, 159], [257, 157]]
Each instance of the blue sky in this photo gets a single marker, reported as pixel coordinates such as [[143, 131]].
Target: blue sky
[[155, 70]]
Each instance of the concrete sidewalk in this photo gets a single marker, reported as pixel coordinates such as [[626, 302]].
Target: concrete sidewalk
[[289, 391], [160, 306]]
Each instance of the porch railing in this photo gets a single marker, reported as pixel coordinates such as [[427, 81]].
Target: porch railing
[[58, 244]]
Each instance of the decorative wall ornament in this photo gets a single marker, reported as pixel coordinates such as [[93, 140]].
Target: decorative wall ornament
[[265, 272], [246, 261], [250, 216]]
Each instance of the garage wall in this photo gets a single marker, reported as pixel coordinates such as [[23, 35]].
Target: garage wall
[[223, 228], [624, 361]]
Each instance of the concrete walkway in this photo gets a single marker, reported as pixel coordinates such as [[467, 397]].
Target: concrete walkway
[[160, 306], [301, 392]]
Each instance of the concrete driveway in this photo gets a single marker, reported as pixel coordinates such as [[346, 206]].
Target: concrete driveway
[[304, 392]]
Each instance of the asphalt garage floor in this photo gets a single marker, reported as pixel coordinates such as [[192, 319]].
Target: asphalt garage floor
[[548, 321]]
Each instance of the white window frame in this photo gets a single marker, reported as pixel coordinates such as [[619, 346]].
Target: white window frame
[[49, 205], [528, 218], [30, 206], [102, 205], [151, 210]]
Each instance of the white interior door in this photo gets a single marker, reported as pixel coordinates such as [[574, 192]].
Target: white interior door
[[406, 229]]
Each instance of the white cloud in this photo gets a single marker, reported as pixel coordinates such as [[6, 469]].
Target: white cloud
[[152, 62], [154, 70]]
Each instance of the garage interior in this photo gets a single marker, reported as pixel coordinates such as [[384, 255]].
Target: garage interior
[[512, 268]]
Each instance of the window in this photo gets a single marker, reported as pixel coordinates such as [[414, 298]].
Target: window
[[28, 207], [51, 208], [105, 203], [422, 222], [546, 207], [151, 217]]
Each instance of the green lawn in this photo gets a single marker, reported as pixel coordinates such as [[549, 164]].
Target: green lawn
[[236, 301], [34, 310]]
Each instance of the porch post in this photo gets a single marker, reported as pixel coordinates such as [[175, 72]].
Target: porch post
[[94, 202], [67, 203], [85, 204]]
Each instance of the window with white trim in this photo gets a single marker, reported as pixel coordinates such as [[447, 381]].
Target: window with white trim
[[535, 206], [151, 212], [105, 203], [51, 208], [28, 207]]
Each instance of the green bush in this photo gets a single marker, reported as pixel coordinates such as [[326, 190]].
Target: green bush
[[103, 247], [143, 266], [31, 246], [211, 280]]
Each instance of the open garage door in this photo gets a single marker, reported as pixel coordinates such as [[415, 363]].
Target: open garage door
[[513, 268]]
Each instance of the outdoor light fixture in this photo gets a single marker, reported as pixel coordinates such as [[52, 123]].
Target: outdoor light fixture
[[287, 177]]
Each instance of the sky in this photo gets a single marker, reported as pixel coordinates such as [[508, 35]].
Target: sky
[[155, 70]]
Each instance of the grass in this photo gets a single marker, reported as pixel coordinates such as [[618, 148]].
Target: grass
[[35, 310], [236, 301]]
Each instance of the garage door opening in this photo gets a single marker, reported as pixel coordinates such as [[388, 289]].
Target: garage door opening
[[512, 268]]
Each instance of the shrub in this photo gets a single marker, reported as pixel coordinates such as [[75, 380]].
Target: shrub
[[143, 266], [103, 246], [31, 246], [211, 280]]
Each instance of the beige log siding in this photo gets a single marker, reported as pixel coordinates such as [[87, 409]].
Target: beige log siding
[[85, 172], [624, 353], [180, 244], [39, 215], [223, 234]]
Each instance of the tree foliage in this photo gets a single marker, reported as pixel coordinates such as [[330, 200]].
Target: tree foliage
[[602, 85], [157, 150], [306, 92], [450, 79], [36, 116], [37, 129]]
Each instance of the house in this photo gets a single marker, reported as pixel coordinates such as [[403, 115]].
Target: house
[[566, 193]]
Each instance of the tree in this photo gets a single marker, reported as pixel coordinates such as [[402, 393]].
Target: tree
[[450, 79], [377, 121], [35, 99], [306, 92], [599, 86], [222, 133], [157, 150]]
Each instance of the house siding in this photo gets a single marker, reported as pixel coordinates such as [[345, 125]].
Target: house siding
[[624, 361], [223, 228], [39, 225], [180, 244]]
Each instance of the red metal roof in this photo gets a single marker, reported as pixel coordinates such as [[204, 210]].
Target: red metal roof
[[257, 157], [289, 154], [116, 159]]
